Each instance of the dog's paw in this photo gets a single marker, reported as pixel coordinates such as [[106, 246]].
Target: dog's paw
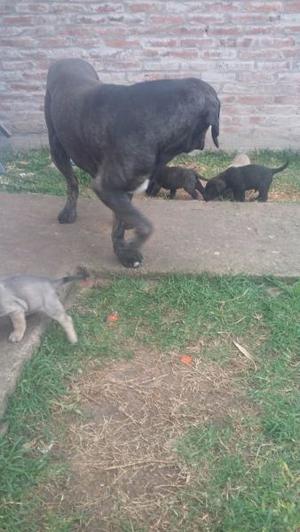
[[15, 337], [67, 216], [130, 258]]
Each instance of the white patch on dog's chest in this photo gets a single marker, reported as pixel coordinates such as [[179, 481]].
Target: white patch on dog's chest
[[142, 188]]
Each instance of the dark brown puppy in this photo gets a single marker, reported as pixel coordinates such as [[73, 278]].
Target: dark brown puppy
[[240, 179], [174, 177]]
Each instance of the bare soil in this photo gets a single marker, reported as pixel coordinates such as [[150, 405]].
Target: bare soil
[[122, 451]]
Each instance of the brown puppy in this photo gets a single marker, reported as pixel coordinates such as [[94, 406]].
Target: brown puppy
[[174, 177], [240, 179]]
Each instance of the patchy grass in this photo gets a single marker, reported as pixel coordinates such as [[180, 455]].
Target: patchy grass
[[118, 434], [33, 172]]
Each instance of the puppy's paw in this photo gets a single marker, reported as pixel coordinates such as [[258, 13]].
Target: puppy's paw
[[15, 337], [67, 216], [73, 340]]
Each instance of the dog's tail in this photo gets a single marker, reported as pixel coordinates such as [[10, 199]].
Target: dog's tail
[[280, 169], [80, 276]]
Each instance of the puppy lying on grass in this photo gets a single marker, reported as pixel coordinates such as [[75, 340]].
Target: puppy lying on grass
[[242, 178], [175, 177], [27, 294]]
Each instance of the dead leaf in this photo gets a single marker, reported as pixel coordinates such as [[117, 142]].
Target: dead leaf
[[186, 359], [112, 317], [87, 283], [244, 352]]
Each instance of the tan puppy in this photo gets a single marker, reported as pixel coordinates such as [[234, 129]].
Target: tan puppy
[[27, 294]]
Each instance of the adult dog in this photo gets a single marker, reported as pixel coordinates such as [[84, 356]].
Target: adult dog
[[120, 135], [174, 177], [239, 179]]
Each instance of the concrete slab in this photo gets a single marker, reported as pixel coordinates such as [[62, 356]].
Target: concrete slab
[[190, 237], [13, 357]]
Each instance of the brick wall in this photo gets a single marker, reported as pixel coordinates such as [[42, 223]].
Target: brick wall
[[248, 50]]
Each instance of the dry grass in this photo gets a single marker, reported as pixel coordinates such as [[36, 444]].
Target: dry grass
[[122, 455]]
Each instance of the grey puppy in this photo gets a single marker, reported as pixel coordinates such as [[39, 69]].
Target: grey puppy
[[174, 177], [239, 179], [27, 294]]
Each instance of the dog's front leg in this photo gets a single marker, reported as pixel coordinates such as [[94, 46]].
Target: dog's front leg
[[19, 324], [154, 190], [126, 217], [239, 194]]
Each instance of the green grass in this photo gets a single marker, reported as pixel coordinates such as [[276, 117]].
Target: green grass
[[31, 171], [246, 470]]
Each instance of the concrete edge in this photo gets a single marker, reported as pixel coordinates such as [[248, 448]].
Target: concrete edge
[[27, 348]]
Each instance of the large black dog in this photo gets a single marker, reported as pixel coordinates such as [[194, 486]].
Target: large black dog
[[120, 135], [239, 179]]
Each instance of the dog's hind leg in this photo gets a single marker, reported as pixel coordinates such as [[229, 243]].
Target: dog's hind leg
[[55, 310], [263, 193], [172, 193], [63, 162], [191, 190], [19, 324], [67, 324], [126, 217], [239, 194]]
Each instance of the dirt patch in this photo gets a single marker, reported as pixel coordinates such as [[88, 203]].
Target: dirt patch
[[122, 455]]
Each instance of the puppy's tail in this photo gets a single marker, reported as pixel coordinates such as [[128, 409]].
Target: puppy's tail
[[280, 169], [80, 276]]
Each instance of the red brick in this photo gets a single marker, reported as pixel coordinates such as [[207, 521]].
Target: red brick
[[253, 100], [264, 7], [37, 7], [168, 43], [19, 20], [166, 20], [143, 8], [108, 8], [122, 43], [185, 54], [18, 42], [195, 43], [232, 31], [292, 7]]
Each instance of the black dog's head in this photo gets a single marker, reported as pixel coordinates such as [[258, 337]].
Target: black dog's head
[[214, 188]]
